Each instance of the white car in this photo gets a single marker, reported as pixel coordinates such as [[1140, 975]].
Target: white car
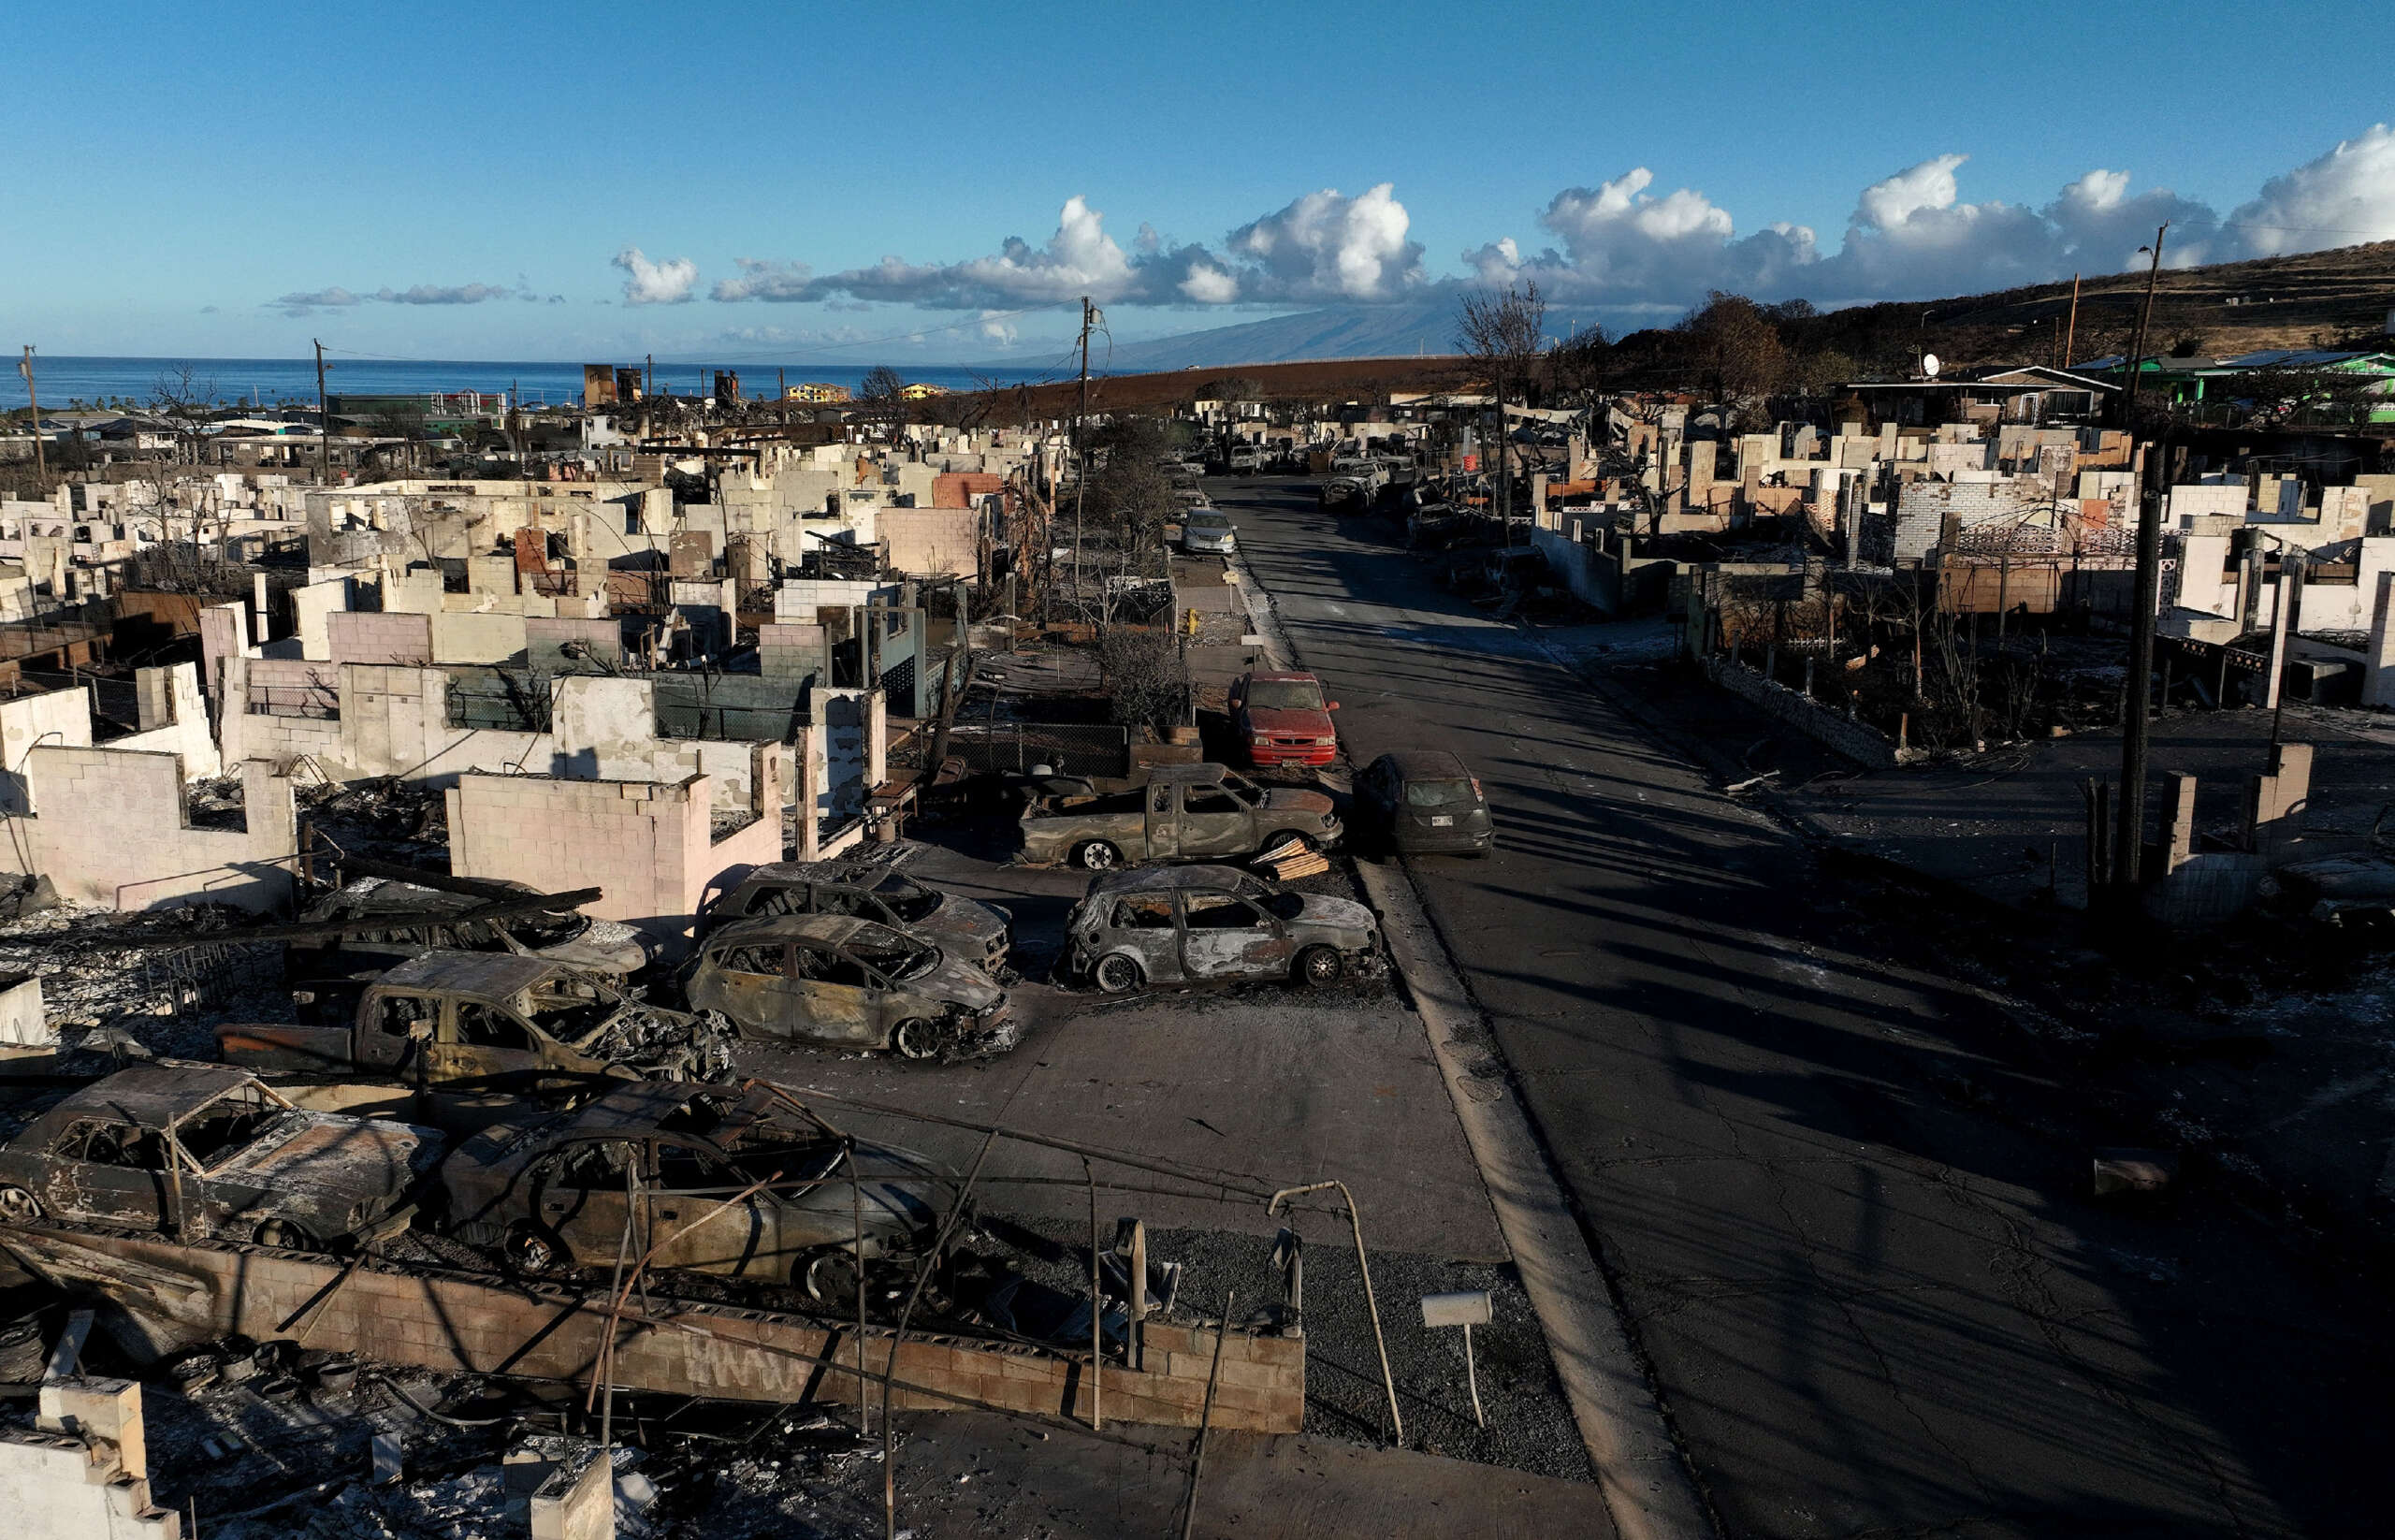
[[1207, 532]]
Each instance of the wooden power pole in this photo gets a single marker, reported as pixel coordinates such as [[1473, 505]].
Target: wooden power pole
[[32, 402], [324, 424], [1081, 455], [2130, 835]]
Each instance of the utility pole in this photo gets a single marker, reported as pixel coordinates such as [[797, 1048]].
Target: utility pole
[[2071, 338], [33, 401], [2130, 835], [1080, 456], [324, 423], [649, 375]]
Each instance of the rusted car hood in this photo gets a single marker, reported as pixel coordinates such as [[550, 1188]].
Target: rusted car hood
[[334, 1158], [958, 982], [1289, 799], [976, 926], [1313, 724], [1330, 913]]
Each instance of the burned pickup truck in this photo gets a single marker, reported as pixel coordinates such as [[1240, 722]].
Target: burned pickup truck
[[1185, 812], [465, 1021]]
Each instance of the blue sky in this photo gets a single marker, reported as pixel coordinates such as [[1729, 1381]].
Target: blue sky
[[470, 181]]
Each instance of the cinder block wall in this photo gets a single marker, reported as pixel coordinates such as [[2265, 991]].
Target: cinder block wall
[[368, 636], [452, 1324], [116, 834]]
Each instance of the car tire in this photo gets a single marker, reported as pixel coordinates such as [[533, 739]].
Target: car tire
[[916, 1038], [1097, 855], [283, 1235], [19, 1207], [1317, 968], [829, 1277], [1116, 974], [534, 1251]]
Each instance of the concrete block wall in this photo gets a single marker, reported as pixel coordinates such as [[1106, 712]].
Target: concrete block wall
[[546, 636], [62, 717], [371, 637], [291, 687], [649, 846], [311, 607], [932, 541], [175, 720], [96, 798], [799, 598], [477, 636], [456, 1324], [82, 1471]]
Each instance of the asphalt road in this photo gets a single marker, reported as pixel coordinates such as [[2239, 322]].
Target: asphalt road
[[1843, 1212]]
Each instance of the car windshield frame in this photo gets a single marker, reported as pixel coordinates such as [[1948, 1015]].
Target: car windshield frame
[[1264, 695]]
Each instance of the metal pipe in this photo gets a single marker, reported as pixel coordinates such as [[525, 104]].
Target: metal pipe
[[1096, 1312], [889, 1367], [1372, 1307], [1206, 1418]]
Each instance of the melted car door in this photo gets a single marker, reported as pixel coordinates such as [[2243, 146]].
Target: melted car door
[[1225, 937], [110, 1173], [580, 1192], [1164, 823], [487, 1045], [834, 998], [697, 1218], [1214, 822]]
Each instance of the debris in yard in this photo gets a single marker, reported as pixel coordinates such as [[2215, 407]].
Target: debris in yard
[[1292, 859]]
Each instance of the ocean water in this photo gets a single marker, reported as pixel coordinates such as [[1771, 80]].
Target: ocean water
[[64, 381]]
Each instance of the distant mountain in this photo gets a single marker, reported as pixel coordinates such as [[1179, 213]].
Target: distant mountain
[[1425, 326]]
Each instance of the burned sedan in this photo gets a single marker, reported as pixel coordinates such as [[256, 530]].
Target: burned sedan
[[1192, 923], [848, 984], [980, 933], [737, 1181], [207, 1152], [416, 918]]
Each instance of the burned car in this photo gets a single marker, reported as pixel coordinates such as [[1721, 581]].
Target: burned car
[[847, 983], [209, 1153], [982, 933], [489, 1022], [1193, 923], [737, 1181], [423, 917], [1185, 812]]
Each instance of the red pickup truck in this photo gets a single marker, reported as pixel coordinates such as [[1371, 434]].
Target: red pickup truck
[[1282, 720]]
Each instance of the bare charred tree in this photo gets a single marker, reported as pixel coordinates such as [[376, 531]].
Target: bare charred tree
[[1736, 346], [881, 394], [1581, 366], [1502, 336], [185, 400]]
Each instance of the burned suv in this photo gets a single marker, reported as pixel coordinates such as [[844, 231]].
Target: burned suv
[[845, 982], [735, 1180], [980, 933], [1192, 923], [203, 1152]]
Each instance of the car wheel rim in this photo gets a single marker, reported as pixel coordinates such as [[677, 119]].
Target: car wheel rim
[[1322, 967], [1118, 974], [532, 1252], [830, 1279], [1098, 858], [19, 1205], [915, 1040]]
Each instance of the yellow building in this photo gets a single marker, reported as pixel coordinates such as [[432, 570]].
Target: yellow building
[[923, 392], [817, 394]]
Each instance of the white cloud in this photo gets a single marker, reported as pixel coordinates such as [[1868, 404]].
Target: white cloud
[[648, 283], [995, 328], [338, 297], [2343, 198], [1323, 246], [1329, 246]]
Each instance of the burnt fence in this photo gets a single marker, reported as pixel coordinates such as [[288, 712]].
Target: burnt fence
[[1073, 749]]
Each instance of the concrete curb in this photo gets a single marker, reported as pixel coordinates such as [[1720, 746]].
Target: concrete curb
[[1646, 1485]]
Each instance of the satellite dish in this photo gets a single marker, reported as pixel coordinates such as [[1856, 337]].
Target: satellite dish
[[1929, 365]]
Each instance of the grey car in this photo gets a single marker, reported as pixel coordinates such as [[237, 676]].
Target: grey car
[[1194, 924], [205, 1152], [1423, 802], [980, 933], [847, 983]]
